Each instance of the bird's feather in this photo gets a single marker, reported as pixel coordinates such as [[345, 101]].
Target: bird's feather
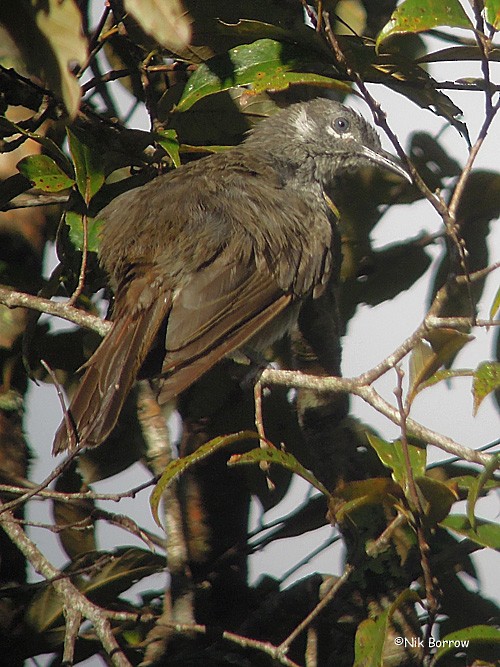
[[109, 376]]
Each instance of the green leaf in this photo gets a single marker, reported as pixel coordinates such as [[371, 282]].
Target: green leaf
[[439, 376], [165, 20], [121, 569], [128, 565], [486, 533], [49, 36], [76, 230], [479, 484], [391, 454], [441, 346], [362, 494], [369, 641], [486, 380], [75, 521], [421, 365], [264, 65], [278, 457], [176, 468], [495, 305], [459, 640], [44, 173], [459, 53], [170, 143], [419, 15], [492, 12], [88, 164], [372, 633], [466, 482], [438, 499]]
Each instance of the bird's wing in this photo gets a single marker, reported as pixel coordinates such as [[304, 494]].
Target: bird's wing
[[220, 309], [112, 369]]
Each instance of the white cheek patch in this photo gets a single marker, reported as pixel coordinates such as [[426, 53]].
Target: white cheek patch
[[332, 132], [305, 126]]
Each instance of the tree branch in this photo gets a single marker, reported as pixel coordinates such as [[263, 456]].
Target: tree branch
[[13, 299], [75, 604], [353, 386]]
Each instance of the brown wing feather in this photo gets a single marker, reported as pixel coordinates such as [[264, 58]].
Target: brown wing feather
[[220, 309], [109, 376]]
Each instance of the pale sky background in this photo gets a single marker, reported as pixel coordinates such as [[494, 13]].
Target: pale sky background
[[372, 334]]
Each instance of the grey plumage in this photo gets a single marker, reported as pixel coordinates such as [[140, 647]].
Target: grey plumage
[[223, 250]]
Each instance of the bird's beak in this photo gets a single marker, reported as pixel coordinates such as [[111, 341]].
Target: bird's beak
[[388, 161]]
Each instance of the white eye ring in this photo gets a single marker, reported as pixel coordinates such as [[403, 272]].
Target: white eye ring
[[341, 125]]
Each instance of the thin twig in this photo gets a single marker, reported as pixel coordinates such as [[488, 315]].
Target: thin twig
[[418, 512], [328, 597], [45, 494], [43, 485], [178, 594], [30, 200], [299, 380], [403, 416], [68, 421], [482, 43], [374, 549], [380, 118], [113, 75]]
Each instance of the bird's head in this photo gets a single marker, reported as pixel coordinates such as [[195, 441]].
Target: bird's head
[[321, 139]]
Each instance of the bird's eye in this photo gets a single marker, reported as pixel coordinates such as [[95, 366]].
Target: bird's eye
[[341, 125]]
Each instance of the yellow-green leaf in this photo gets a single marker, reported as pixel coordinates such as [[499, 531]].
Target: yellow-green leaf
[[50, 37], [479, 483], [392, 456], [492, 12], [372, 632], [485, 533], [421, 366], [440, 346], [419, 15], [170, 143], [461, 639], [438, 499], [165, 20], [495, 306], [486, 380], [88, 163], [363, 493], [176, 468], [75, 223], [278, 457], [369, 641], [466, 482], [265, 64], [44, 173], [439, 376]]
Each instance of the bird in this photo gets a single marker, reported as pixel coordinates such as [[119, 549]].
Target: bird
[[219, 255]]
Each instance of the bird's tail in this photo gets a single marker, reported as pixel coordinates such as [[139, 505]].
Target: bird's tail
[[108, 378]]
